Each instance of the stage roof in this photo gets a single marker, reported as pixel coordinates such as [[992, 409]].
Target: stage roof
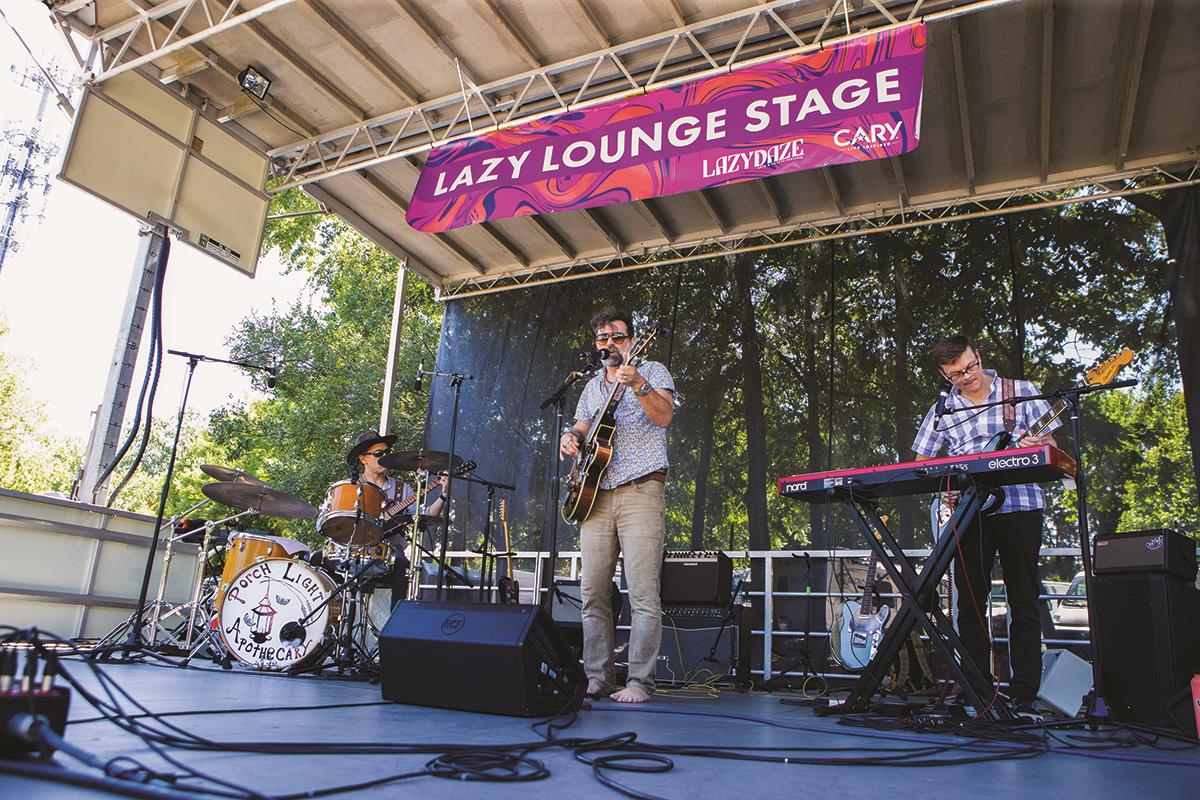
[[1023, 99]]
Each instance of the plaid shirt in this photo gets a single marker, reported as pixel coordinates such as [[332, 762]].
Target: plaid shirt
[[969, 432]]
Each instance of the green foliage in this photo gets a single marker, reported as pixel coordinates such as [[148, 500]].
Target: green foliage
[[331, 348], [31, 459]]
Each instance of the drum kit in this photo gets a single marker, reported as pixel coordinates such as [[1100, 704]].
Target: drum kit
[[273, 603]]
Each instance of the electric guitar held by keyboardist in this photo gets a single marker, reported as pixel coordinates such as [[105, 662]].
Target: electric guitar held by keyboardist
[[1098, 375]]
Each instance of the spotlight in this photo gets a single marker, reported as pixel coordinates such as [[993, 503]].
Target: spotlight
[[254, 82]]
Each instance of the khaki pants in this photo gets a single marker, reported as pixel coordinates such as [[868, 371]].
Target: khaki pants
[[630, 521]]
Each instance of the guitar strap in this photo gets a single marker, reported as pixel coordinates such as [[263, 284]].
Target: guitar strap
[[1007, 392]]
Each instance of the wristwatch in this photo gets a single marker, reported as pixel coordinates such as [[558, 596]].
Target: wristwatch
[[644, 389]]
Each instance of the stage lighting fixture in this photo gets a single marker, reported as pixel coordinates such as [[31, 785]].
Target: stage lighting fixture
[[254, 82]]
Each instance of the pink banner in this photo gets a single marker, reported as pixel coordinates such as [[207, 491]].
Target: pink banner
[[857, 101]]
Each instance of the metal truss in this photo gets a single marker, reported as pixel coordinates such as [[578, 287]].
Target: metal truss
[[767, 31], [1149, 178], [115, 43]]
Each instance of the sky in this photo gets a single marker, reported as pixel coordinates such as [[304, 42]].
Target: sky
[[62, 294]]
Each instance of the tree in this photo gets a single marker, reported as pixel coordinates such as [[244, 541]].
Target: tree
[[331, 348], [31, 459]]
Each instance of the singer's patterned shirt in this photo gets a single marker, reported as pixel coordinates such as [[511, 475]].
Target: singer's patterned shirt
[[639, 446], [969, 431]]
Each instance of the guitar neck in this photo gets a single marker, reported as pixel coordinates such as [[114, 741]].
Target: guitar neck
[[868, 598], [1057, 408]]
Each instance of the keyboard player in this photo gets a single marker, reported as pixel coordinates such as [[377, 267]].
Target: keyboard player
[[1013, 531]]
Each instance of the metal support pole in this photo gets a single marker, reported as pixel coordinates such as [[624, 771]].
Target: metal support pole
[[389, 375], [120, 374]]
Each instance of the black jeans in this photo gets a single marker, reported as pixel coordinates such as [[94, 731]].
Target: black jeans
[[1016, 538]]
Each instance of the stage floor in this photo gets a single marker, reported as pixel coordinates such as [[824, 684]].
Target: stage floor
[[222, 706]]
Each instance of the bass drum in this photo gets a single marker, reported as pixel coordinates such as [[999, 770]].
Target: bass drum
[[266, 596], [249, 548]]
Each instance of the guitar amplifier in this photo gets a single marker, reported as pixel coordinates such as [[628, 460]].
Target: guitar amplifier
[[1160, 550], [696, 578], [688, 635]]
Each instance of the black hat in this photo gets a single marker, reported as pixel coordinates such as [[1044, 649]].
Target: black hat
[[364, 442]]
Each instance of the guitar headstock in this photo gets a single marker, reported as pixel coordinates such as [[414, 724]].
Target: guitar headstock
[[503, 511], [464, 468], [1106, 370], [645, 341]]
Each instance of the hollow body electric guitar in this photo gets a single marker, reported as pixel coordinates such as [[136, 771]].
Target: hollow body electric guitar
[[1098, 375], [597, 449]]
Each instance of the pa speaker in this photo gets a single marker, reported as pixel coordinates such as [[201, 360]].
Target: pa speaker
[[1145, 625], [497, 659]]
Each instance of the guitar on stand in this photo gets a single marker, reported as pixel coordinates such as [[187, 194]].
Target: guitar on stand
[[596, 451], [862, 625], [508, 588]]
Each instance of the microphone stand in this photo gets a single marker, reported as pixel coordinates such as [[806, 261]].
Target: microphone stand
[[488, 557], [456, 381], [134, 642], [549, 588]]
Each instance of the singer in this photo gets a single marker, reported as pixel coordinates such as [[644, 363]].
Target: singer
[[629, 515], [1013, 531]]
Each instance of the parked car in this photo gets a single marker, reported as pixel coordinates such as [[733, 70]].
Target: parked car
[[1071, 611]]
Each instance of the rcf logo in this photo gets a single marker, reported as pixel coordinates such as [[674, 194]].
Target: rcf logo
[[453, 624]]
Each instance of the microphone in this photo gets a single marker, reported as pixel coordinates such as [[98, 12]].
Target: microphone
[[943, 395], [420, 373], [292, 632], [271, 377]]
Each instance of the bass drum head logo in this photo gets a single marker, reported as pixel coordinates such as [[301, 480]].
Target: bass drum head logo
[[453, 624], [1155, 543], [262, 600]]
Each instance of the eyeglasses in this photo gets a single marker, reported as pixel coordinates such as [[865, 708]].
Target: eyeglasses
[[958, 375], [615, 338], [377, 453]]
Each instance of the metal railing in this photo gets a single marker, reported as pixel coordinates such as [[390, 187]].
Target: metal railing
[[773, 600]]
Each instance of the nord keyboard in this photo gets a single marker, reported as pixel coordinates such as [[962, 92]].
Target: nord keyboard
[[995, 468]]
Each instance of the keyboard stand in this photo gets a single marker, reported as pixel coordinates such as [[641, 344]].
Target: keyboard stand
[[918, 588]]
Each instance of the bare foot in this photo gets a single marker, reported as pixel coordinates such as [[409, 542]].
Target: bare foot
[[633, 693], [595, 689]]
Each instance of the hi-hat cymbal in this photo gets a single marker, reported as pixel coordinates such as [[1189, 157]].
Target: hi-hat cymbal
[[262, 499], [229, 474], [432, 460]]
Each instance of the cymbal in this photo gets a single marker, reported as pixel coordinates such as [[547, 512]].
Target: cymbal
[[229, 474], [432, 460], [262, 499]]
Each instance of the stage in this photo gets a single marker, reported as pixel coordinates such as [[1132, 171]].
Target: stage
[[246, 706]]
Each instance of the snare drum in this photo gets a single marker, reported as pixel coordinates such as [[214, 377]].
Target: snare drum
[[248, 548], [351, 513], [266, 596]]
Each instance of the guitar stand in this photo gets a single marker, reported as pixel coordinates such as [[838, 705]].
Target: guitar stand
[[918, 590]]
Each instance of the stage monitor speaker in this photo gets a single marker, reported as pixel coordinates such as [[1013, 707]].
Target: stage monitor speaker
[[1159, 550], [1145, 624], [496, 659]]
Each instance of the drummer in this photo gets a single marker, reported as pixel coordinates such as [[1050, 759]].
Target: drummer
[[364, 459]]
